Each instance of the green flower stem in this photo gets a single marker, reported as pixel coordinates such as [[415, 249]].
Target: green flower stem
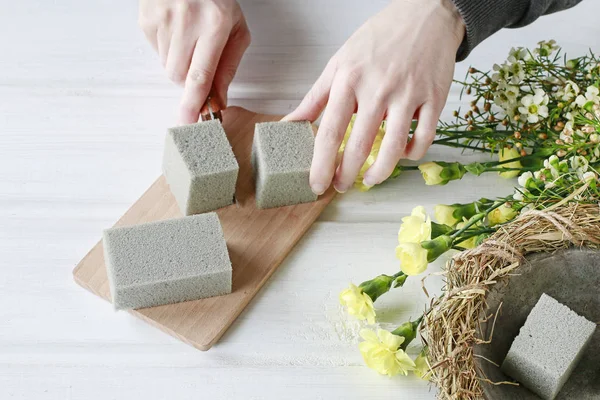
[[401, 168], [452, 138], [477, 233], [510, 169], [408, 167], [462, 146], [491, 166], [408, 331], [475, 134], [527, 157], [398, 169], [476, 218], [455, 170]]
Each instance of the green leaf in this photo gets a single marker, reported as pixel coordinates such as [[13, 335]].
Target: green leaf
[[475, 168], [413, 125], [440, 229], [466, 210], [397, 171]]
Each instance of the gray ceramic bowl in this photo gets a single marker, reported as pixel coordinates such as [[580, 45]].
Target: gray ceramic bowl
[[573, 278]]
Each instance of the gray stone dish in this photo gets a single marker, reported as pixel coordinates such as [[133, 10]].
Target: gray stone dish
[[570, 276]]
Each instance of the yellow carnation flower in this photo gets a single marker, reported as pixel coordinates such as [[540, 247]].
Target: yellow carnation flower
[[431, 173], [416, 227], [444, 215], [381, 352], [358, 182], [358, 304], [501, 215], [413, 258], [422, 369], [509, 154]]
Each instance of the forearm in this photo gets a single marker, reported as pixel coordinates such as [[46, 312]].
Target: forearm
[[485, 17]]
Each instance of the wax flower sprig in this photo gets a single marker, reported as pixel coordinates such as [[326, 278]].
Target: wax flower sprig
[[537, 116]]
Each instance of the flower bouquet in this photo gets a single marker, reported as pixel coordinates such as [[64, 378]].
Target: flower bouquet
[[537, 116]]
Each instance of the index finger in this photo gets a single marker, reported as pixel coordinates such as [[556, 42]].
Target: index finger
[[203, 66], [338, 113]]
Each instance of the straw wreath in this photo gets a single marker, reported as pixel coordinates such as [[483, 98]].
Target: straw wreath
[[452, 322]]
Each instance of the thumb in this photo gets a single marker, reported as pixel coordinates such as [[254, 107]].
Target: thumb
[[315, 100]]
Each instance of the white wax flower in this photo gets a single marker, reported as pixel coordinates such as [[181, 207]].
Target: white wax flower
[[591, 95], [524, 178], [535, 106]]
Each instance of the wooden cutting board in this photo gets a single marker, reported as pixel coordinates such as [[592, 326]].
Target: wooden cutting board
[[257, 240]]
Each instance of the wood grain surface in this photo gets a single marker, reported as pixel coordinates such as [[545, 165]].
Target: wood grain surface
[[257, 240]]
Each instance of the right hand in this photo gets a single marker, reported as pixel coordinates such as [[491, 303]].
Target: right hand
[[398, 66], [200, 44]]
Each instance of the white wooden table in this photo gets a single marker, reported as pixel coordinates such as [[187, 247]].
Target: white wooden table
[[83, 110]]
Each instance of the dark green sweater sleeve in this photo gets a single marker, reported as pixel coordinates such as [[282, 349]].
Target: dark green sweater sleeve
[[483, 18]]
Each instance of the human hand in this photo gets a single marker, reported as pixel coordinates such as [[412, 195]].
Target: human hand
[[200, 43], [398, 66]]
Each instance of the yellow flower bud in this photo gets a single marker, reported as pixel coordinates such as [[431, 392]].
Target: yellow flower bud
[[358, 304], [444, 215], [416, 227], [501, 215], [470, 242], [358, 182], [422, 369], [413, 258], [381, 352], [347, 135], [431, 173], [509, 154]]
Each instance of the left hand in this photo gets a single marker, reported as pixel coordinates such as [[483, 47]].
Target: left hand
[[399, 65], [200, 43]]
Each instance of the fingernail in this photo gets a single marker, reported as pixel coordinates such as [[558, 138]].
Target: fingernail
[[339, 189], [368, 185], [318, 188], [368, 181]]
